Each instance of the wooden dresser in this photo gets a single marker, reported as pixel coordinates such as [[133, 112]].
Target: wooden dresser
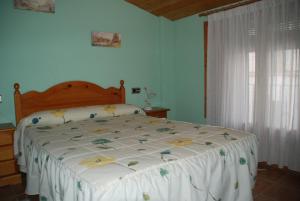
[[159, 112], [9, 173]]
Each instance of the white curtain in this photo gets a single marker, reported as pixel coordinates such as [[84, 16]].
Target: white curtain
[[254, 76]]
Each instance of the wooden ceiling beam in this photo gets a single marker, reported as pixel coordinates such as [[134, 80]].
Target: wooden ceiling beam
[[172, 7], [151, 5], [226, 7], [163, 4], [195, 8], [137, 3], [155, 4], [177, 9]]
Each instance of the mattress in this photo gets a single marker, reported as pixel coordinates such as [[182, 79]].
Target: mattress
[[136, 157]]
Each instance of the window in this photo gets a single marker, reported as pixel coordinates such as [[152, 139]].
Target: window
[[281, 84]]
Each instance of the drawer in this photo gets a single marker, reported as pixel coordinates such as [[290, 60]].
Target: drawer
[[6, 153], [6, 137], [7, 168], [10, 180]]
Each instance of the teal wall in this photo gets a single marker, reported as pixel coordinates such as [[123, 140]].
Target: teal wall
[[167, 54], [41, 49], [189, 69], [182, 61]]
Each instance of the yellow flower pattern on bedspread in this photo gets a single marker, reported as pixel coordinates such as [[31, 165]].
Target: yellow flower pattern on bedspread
[[96, 161], [181, 142], [58, 113], [110, 109], [100, 130]]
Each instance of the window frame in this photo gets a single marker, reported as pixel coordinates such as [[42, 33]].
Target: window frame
[[205, 29]]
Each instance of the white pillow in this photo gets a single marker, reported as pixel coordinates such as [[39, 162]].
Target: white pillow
[[45, 118], [61, 116], [81, 113], [121, 109]]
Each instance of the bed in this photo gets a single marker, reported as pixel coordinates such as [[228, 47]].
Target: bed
[[79, 141]]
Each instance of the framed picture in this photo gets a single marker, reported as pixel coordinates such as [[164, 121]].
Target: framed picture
[[47, 6], [106, 39]]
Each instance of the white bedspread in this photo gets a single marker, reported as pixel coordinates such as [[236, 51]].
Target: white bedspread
[[136, 158]]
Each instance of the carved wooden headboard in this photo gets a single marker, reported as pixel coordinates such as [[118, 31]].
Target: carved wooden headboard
[[66, 95]]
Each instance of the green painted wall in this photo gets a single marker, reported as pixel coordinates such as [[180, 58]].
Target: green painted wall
[[182, 67], [189, 69], [167, 54], [40, 49]]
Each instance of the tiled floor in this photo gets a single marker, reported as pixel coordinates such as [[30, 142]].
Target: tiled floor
[[277, 185], [15, 193], [271, 185]]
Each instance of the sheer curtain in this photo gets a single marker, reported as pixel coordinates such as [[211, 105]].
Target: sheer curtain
[[254, 76]]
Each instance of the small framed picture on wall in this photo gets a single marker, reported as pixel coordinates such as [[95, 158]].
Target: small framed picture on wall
[[106, 39], [47, 6]]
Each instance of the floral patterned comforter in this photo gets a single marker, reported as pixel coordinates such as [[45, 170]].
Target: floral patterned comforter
[[136, 157]]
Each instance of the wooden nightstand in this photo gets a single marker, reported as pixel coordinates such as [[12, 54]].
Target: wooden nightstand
[[157, 112], [9, 173]]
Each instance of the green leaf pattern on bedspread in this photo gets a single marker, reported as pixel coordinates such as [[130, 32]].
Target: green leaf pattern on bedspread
[[43, 198], [137, 144], [79, 185], [146, 197], [242, 161], [131, 163], [101, 141], [163, 172]]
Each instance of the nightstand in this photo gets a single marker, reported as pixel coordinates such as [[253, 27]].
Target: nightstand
[[9, 173], [159, 112]]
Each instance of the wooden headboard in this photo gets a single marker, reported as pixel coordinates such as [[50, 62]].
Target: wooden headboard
[[66, 95]]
